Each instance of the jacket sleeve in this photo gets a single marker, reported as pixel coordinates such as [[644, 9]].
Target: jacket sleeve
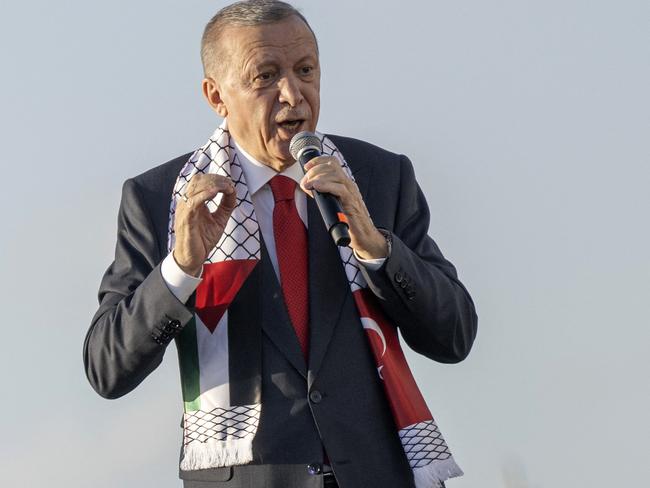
[[418, 288], [138, 316]]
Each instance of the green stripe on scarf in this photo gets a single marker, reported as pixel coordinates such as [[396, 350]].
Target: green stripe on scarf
[[188, 358]]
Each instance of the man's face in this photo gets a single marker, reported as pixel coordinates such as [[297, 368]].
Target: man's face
[[269, 89]]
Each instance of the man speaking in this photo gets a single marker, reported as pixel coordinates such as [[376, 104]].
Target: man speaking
[[291, 369]]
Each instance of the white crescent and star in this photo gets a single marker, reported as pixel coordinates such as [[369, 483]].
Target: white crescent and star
[[370, 324]]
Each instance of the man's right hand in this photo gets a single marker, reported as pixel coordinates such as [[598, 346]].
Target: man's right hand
[[197, 230]]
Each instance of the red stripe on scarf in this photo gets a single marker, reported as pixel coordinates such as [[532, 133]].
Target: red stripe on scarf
[[404, 397], [220, 283]]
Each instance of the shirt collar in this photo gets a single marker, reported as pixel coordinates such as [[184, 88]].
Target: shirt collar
[[258, 174]]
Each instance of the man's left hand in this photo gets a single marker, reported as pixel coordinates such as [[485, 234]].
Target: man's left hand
[[326, 175]]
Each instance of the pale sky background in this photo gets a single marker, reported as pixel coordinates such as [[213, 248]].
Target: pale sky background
[[528, 124]]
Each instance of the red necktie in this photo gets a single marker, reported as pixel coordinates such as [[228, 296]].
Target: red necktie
[[291, 249]]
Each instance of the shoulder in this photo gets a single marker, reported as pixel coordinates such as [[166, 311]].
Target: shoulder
[[161, 177], [358, 150], [149, 194], [364, 157], [153, 188]]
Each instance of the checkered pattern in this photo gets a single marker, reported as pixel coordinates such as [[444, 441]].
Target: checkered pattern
[[221, 424], [423, 444], [240, 239], [351, 265]]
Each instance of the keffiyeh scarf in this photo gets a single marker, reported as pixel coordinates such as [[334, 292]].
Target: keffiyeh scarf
[[219, 431]]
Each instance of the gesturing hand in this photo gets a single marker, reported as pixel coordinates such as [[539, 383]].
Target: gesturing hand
[[197, 230]]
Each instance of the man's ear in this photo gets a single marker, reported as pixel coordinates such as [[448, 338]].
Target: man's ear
[[212, 93]]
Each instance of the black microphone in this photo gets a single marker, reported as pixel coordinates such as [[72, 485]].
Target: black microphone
[[304, 147]]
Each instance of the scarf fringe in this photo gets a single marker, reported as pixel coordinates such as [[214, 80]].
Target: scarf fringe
[[215, 454], [432, 475]]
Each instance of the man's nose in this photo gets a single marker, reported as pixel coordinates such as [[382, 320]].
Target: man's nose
[[290, 92]]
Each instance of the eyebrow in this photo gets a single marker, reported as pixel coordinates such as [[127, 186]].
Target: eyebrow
[[251, 65], [308, 57]]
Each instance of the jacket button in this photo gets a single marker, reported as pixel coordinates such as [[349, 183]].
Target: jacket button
[[315, 396], [399, 277], [314, 468]]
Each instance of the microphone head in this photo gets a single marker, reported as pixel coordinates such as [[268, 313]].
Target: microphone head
[[304, 140]]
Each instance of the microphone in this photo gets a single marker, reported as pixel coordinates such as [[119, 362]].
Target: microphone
[[304, 147]]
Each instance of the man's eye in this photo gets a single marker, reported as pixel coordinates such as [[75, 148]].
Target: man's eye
[[264, 76], [306, 70]]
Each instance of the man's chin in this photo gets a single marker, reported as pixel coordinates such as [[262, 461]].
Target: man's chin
[[278, 157], [281, 148]]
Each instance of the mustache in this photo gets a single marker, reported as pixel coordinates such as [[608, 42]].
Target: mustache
[[290, 114]]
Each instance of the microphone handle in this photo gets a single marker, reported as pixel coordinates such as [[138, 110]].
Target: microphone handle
[[335, 220]]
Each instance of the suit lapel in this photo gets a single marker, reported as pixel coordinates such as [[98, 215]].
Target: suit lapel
[[328, 285], [328, 288], [275, 318]]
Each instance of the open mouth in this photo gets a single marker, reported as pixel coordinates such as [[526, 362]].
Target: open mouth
[[291, 125]]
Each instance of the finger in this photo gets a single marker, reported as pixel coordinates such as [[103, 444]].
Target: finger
[[333, 187], [319, 160], [197, 200], [323, 173], [191, 187], [206, 191], [322, 168], [201, 182], [305, 189], [224, 210], [229, 199]]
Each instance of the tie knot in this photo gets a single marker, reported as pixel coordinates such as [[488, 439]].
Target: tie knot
[[283, 188]]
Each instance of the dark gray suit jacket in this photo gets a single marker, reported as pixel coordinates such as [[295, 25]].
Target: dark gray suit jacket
[[336, 400]]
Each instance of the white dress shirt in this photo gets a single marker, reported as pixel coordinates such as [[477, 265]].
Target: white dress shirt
[[257, 177]]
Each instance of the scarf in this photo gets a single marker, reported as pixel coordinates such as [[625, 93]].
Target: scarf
[[219, 432]]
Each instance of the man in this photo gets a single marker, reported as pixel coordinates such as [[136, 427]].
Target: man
[[291, 371]]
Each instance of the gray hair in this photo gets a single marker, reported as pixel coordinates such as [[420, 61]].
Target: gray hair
[[248, 13]]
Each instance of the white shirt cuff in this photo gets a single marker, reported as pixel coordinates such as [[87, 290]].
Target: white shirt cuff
[[370, 264], [178, 281]]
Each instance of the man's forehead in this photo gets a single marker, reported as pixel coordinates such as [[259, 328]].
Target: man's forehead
[[291, 35]]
